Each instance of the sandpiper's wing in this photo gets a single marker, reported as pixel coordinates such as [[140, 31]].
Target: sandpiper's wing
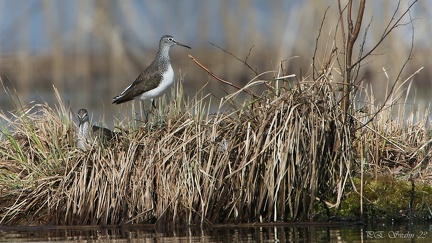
[[104, 133], [146, 81]]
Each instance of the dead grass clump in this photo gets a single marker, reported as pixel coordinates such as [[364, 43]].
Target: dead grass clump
[[397, 141], [267, 160]]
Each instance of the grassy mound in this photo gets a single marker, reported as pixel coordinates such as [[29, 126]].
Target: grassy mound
[[266, 160], [282, 156]]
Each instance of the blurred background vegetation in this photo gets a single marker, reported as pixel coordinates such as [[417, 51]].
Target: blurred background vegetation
[[90, 50]]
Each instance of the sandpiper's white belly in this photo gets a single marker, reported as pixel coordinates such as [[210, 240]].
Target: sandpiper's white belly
[[83, 135], [167, 81]]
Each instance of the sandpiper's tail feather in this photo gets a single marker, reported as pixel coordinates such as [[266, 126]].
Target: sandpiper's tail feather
[[127, 95], [130, 93], [121, 99]]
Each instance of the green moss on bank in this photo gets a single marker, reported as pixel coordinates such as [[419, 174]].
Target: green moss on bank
[[388, 198]]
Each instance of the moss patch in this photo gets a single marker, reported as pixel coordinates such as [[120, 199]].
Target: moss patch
[[385, 197]]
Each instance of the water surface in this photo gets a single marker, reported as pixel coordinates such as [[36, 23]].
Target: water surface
[[246, 233]]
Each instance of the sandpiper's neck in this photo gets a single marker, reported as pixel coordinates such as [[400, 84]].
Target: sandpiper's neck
[[163, 53]]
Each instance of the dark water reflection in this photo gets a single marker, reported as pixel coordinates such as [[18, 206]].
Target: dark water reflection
[[279, 233]]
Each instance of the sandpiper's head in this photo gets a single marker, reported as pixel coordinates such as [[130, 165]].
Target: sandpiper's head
[[168, 40], [82, 116]]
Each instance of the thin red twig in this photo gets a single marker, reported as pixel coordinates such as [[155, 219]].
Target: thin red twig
[[222, 80]]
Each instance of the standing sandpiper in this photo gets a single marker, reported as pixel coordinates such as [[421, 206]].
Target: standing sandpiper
[[87, 132], [156, 78]]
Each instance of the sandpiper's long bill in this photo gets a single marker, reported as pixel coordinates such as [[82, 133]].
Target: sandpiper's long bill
[[156, 79]]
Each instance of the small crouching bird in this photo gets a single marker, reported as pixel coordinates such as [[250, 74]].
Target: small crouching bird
[[87, 133]]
